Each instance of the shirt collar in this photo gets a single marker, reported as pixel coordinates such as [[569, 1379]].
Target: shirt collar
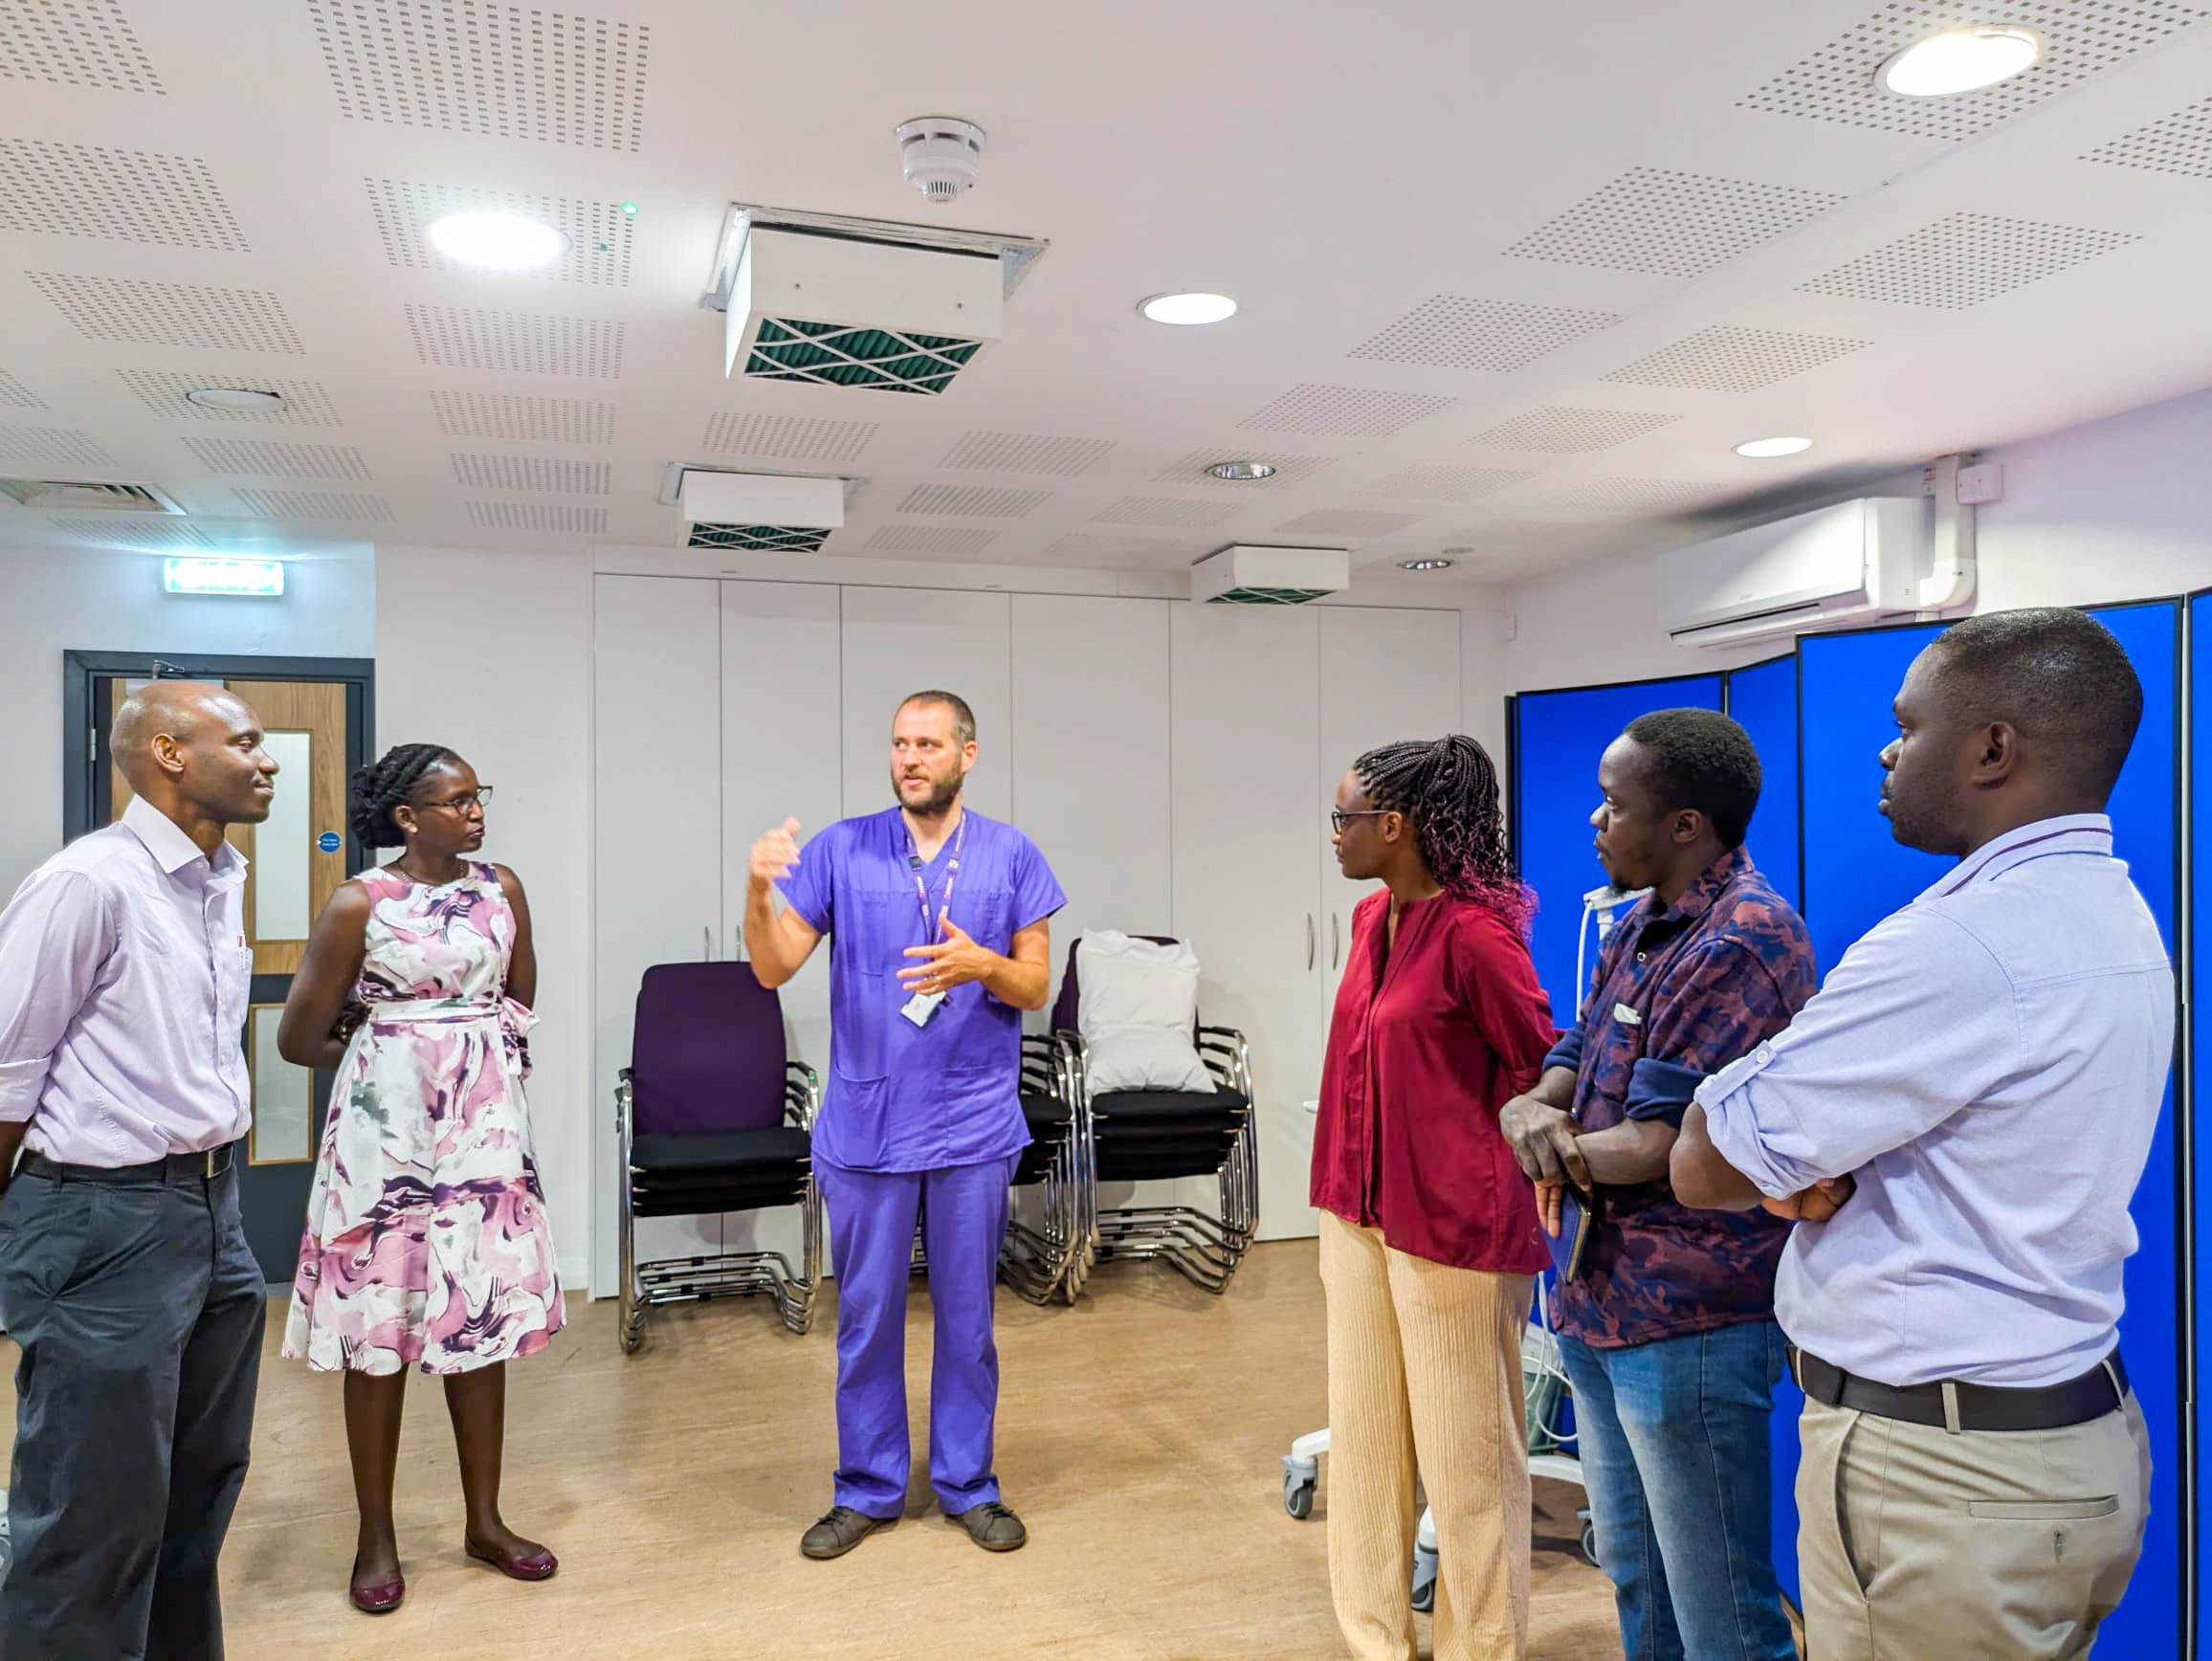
[[2068, 834], [173, 850], [1697, 898]]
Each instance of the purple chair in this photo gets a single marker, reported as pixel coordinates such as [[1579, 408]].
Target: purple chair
[[713, 1117]]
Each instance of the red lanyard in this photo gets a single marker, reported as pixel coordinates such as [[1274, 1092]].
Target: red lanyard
[[930, 930]]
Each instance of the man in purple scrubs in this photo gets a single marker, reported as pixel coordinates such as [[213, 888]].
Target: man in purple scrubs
[[941, 939]]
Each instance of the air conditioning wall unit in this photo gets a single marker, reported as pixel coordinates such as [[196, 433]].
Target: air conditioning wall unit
[[1853, 563]]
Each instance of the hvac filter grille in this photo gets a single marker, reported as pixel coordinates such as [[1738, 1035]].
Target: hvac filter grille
[[1152, 552], [2180, 144], [795, 438], [1024, 453], [547, 475], [1311, 408], [1676, 224], [772, 538], [73, 43], [973, 501], [1643, 494], [1268, 596], [266, 458], [841, 355], [139, 530], [169, 314], [518, 416], [454, 337], [538, 516], [2080, 38], [316, 504], [1965, 259], [1727, 359], [1156, 510], [1289, 469], [1446, 483], [121, 195], [15, 396], [598, 233], [1342, 521], [1451, 332], [932, 540], [306, 403], [470, 66], [1567, 428], [53, 444]]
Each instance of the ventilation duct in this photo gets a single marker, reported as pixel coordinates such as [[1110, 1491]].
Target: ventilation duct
[[1246, 574], [763, 511], [50, 493]]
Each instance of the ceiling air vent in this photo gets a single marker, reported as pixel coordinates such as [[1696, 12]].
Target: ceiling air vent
[[779, 513], [1244, 574], [775, 538], [830, 301], [51, 492]]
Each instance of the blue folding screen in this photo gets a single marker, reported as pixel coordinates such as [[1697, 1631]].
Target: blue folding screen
[[1763, 701]]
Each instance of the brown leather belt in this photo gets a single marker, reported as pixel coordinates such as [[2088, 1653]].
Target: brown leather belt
[[1976, 1407]]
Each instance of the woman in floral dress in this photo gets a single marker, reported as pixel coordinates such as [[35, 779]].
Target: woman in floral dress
[[427, 1241]]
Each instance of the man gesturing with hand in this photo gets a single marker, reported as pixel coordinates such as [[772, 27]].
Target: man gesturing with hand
[[940, 936]]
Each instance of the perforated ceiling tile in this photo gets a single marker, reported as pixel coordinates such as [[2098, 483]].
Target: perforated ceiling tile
[[473, 66], [1311, 408], [791, 437], [455, 337], [1727, 359], [121, 195], [973, 501], [132, 529], [549, 476], [1342, 521], [15, 396], [1965, 259], [276, 458], [2080, 38], [2181, 143], [1152, 553], [1452, 332], [520, 416], [932, 539], [169, 314], [1571, 427], [74, 43], [1289, 469], [598, 233], [1155, 510], [306, 403], [53, 444], [1676, 224], [538, 516], [316, 504], [1024, 453], [1446, 483], [1643, 494]]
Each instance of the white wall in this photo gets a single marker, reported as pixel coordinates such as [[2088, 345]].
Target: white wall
[[490, 653], [57, 599]]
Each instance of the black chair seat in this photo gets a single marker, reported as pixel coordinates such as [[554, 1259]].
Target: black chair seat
[[702, 1199], [1167, 1103], [727, 1150], [1042, 1111]]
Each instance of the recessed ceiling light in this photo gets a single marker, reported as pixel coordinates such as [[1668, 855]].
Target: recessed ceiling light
[[1762, 448], [234, 398], [1425, 565], [1236, 472], [499, 241], [1959, 61], [1188, 308]]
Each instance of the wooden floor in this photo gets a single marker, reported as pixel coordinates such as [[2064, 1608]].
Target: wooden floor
[[1140, 1437]]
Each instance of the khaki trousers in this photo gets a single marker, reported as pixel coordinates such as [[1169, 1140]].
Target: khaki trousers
[[1985, 1545], [1425, 1366]]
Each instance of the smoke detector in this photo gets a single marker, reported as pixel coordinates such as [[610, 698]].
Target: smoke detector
[[941, 155]]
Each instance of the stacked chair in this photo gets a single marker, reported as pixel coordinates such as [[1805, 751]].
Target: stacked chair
[[1048, 1257], [714, 1117]]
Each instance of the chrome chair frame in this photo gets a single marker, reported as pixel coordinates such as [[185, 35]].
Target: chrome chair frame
[[1038, 1263]]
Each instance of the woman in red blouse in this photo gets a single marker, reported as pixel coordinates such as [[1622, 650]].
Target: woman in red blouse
[[1430, 1240]]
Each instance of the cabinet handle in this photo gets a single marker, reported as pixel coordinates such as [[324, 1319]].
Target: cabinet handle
[[1336, 938], [707, 942], [1313, 939]]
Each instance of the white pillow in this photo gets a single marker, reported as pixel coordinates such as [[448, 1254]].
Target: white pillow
[[1137, 1004]]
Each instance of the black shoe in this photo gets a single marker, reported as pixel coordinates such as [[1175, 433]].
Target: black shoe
[[994, 1527], [840, 1530]]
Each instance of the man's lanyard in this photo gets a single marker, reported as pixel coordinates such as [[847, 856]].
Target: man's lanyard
[[930, 930]]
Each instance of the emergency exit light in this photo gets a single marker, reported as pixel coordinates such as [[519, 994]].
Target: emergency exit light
[[235, 578]]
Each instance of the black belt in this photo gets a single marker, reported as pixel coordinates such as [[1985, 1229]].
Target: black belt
[[177, 1168], [1977, 1407]]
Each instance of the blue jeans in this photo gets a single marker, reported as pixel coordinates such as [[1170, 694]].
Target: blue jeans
[[1673, 1442]]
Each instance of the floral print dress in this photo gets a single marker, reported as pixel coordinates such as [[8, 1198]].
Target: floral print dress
[[427, 1239]]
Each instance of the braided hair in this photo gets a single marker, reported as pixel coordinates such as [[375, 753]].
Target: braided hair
[[1448, 789], [385, 784]]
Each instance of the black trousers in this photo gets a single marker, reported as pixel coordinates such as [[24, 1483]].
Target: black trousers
[[140, 1311]]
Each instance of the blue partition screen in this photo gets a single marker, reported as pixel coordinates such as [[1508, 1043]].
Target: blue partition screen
[[1763, 701], [2201, 999]]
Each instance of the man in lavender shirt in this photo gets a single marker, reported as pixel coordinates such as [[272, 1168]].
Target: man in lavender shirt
[[125, 1273]]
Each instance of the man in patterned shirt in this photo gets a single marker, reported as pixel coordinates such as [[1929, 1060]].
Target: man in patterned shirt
[[1667, 1324]]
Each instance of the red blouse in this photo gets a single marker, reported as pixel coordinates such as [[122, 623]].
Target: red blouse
[[1424, 1048]]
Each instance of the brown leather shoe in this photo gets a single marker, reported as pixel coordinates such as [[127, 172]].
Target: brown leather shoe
[[840, 1529]]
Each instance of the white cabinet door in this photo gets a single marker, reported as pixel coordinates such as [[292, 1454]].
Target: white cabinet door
[[781, 757], [900, 641], [656, 842], [1248, 835]]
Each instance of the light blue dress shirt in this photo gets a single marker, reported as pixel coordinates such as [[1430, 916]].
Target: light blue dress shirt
[[1989, 1064]]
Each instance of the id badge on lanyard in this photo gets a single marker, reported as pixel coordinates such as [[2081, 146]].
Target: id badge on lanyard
[[921, 1006]]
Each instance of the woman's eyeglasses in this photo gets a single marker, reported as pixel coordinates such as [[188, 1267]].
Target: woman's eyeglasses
[[479, 798], [1340, 821]]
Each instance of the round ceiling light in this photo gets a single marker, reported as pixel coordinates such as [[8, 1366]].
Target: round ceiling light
[[1186, 310], [1959, 61], [1765, 448], [496, 242], [1239, 472], [1430, 565], [243, 399]]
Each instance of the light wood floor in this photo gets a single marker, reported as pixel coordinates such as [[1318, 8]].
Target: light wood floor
[[1139, 1434]]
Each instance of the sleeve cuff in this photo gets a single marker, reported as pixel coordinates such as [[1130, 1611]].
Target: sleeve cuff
[[1567, 1052], [1732, 1127], [21, 1084], [1662, 1090]]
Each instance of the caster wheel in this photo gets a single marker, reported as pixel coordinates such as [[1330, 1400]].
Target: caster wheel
[[1297, 1498], [1590, 1543], [1424, 1581]]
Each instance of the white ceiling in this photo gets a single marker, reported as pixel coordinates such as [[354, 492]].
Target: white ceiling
[[1513, 278]]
